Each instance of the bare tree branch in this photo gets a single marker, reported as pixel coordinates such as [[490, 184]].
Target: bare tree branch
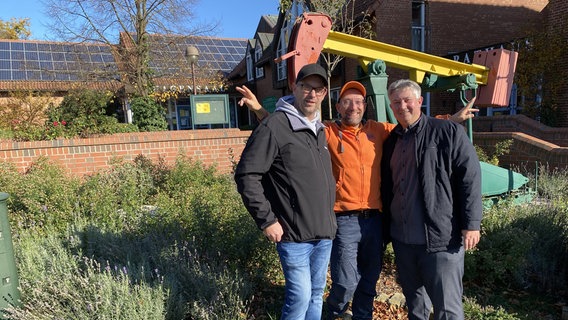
[[106, 21]]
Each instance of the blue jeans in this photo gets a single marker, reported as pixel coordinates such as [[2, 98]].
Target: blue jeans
[[305, 271], [430, 279], [356, 262]]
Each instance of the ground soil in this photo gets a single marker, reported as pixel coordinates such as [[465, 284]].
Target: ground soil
[[388, 286]]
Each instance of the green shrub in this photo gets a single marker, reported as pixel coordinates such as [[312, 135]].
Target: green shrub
[[156, 242], [207, 204], [85, 113], [148, 115], [547, 261], [500, 148], [112, 197], [522, 247], [473, 311], [552, 184], [177, 241], [57, 284], [43, 196]]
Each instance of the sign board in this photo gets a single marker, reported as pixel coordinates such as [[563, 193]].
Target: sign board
[[210, 109]]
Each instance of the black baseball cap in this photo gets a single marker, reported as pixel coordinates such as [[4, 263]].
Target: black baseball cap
[[312, 69]]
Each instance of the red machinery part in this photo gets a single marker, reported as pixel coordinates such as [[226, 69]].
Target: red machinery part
[[306, 42], [501, 64]]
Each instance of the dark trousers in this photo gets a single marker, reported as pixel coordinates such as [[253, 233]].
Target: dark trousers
[[430, 280], [356, 261]]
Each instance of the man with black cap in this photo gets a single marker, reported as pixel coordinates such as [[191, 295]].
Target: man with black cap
[[285, 179]]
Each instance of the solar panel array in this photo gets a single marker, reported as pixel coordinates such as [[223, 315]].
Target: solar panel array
[[53, 61], [49, 61], [168, 54]]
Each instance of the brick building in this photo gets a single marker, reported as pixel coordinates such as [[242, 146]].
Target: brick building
[[442, 28]]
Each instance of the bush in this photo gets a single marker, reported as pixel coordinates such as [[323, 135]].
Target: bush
[[43, 196], [500, 148], [149, 241], [148, 115], [85, 113], [474, 311], [501, 258], [207, 205], [137, 241], [86, 288]]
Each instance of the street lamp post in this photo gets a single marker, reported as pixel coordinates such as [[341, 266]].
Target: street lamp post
[[192, 54]]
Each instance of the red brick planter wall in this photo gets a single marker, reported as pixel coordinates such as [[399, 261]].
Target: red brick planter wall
[[532, 141], [214, 147], [85, 156]]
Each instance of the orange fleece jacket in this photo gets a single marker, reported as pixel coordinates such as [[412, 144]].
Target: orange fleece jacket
[[356, 162]]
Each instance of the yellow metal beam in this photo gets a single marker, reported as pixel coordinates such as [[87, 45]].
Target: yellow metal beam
[[418, 63]]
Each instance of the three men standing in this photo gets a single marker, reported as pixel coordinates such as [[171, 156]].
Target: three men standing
[[355, 149]]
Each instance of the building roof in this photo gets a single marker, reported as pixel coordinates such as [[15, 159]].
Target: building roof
[[267, 23], [63, 66], [265, 34], [42, 64], [265, 40]]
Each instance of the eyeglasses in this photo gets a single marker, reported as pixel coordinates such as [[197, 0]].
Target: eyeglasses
[[307, 89], [357, 103]]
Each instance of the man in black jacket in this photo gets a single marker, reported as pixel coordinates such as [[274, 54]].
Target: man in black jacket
[[431, 189], [286, 183]]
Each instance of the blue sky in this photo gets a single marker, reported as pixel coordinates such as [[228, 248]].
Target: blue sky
[[238, 19]]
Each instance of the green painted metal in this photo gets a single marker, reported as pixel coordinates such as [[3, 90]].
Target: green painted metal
[[375, 81], [497, 180], [9, 294]]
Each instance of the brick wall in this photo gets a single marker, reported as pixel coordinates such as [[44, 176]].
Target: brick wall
[[532, 141], [524, 124], [463, 25], [525, 152], [84, 156], [557, 21]]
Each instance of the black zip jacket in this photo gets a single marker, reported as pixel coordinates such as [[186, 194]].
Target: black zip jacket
[[450, 178], [284, 175]]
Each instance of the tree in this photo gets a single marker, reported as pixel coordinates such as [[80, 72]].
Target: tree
[[346, 18], [541, 56], [104, 20], [15, 28]]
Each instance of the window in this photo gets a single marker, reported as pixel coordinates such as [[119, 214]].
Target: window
[[281, 50], [419, 39], [419, 26], [249, 67], [257, 56]]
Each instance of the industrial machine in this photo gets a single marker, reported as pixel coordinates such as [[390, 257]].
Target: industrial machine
[[490, 78]]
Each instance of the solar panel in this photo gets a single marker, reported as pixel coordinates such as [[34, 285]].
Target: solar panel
[[27, 60], [167, 54], [48, 61]]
